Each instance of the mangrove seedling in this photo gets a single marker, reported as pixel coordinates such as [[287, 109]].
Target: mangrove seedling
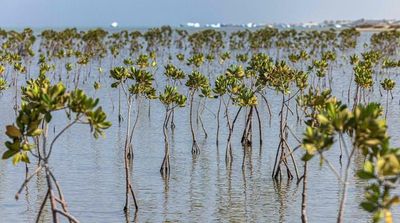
[[171, 99], [40, 101]]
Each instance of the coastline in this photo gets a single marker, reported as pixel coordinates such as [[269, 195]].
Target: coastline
[[377, 29]]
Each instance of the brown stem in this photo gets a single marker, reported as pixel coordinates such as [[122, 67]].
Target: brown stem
[[165, 166], [259, 125], [52, 200], [304, 196], [27, 181], [218, 112], [195, 147], [228, 154], [42, 206], [344, 189]]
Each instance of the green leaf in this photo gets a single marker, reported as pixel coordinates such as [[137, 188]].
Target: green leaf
[[372, 142], [322, 119], [368, 167], [365, 175], [115, 84], [370, 207], [36, 132], [12, 131], [24, 157], [9, 153], [307, 157], [17, 158], [47, 117], [13, 146]]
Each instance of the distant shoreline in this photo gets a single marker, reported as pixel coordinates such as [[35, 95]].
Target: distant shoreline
[[377, 29]]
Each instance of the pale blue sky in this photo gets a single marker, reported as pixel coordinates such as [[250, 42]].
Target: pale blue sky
[[84, 13]]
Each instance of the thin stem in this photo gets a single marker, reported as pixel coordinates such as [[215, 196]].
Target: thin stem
[[59, 134], [27, 181], [42, 206], [304, 196], [344, 189]]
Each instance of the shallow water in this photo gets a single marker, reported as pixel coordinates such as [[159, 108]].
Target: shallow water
[[200, 189]]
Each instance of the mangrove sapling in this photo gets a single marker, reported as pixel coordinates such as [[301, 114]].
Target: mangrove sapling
[[210, 59], [369, 135], [144, 63], [40, 100], [196, 61], [219, 90], [233, 88], [18, 68], [174, 75], [312, 103], [282, 144], [354, 59], [135, 83], [302, 84], [82, 62], [348, 39], [248, 132], [196, 82], [170, 99], [388, 86], [330, 58], [280, 77], [119, 74], [363, 71], [245, 98], [321, 70]]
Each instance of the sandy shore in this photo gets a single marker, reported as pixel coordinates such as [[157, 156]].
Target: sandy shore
[[377, 29]]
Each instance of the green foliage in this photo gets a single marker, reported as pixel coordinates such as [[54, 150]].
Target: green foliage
[[210, 57], [143, 61], [388, 84], [171, 97], [96, 85], [243, 58], [180, 56], [173, 72], [388, 63], [364, 69], [196, 60], [197, 81], [245, 98], [301, 56], [68, 67], [138, 81], [143, 83], [3, 84], [40, 100], [224, 57], [369, 133], [235, 71], [348, 38], [221, 85], [278, 76]]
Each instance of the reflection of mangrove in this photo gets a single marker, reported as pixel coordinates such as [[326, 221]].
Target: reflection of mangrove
[[282, 190]]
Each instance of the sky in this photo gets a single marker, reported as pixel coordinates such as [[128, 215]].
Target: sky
[[147, 13]]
